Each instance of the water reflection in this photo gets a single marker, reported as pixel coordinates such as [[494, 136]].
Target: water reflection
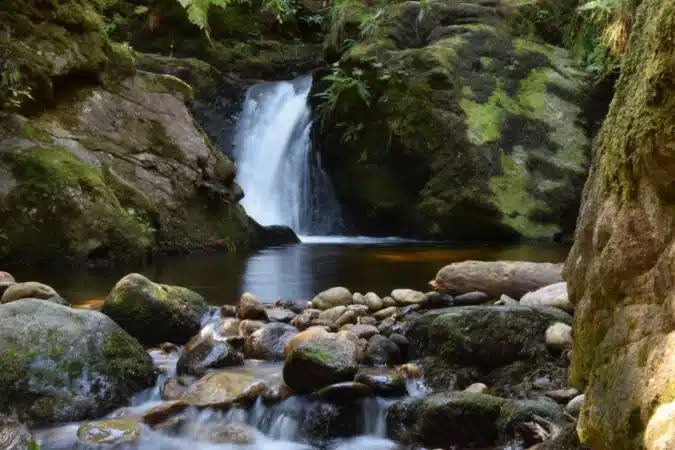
[[293, 272]]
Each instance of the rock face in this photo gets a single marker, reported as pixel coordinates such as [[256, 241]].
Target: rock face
[[455, 128], [496, 278], [113, 170], [62, 364], [155, 313], [320, 362], [619, 272]]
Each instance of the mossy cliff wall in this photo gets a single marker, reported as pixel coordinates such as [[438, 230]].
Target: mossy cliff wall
[[620, 270], [101, 161], [466, 132]]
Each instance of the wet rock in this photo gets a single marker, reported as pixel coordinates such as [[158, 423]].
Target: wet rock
[[463, 419], [562, 395], [405, 297], [383, 381], [297, 306], [155, 313], [302, 337], [411, 370], [337, 296], [304, 320], [387, 326], [223, 389], [110, 432], [472, 298], [358, 299], [364, 331], [373, 301], [382, 352], [268, 342], [31, 289], [276, 390], [64, 364], [6, 280], [404, 311], [495, 278], [559, 337], [366, 320], [573, 408], [439, 299], [333, 314], [174, 388], [229, 327], [388, 302], [206, 352], [567, 439], [248, 327], [320, 362], [554, 295], [384, 313], [229, 433], [228, 311], [402, 343], [507, 301], [347, 391], [250, 308], [280, 315], [13, 434], [162, 413], [477, 388], [349, 317], [441, 375], [276, 235]]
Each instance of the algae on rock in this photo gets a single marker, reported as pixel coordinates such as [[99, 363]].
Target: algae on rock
[[468, 131]]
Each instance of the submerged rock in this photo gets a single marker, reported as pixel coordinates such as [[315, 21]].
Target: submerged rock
[[112, 432], [337, 296], [31, 289], [320, 362], [230, 433], [155, 313], [207, 352], [61, 364], [276, 235], [174, 388], [268, 343]]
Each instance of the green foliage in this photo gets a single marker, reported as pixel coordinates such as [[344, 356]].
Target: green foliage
[[343, 84], [33, 445], [13, 91], [600, 32]]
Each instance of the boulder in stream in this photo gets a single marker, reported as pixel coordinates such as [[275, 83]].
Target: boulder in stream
[[110, 432], [61, 364], [494, 278], [32, 289], [250, 308], [268, 342], [155, 313], [207, 352], [320, 362]]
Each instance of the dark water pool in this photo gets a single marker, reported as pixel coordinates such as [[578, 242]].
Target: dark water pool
[[294, 272]]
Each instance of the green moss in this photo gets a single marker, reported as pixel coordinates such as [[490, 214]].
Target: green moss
[[532, 89], [161, 142], [484, 120], [165, 84], [524, 46], [33, 131]]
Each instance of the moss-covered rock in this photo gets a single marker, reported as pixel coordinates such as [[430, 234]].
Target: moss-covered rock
[[59, 364], [619, 271], [320, 362], [465, 419], [155, 313], [453, 127]]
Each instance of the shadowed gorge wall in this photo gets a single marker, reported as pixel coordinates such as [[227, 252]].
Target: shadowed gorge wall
[[620, 270]]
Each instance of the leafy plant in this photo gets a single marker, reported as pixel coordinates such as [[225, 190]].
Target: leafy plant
[[33, 445], [343, 84]]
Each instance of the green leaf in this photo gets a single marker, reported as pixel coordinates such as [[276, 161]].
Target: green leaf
[[140, 10], [33, 445]]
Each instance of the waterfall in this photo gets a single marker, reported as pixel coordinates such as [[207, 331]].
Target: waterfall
[[283, 181]]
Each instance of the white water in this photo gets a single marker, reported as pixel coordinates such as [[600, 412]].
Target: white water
[[283, 181]]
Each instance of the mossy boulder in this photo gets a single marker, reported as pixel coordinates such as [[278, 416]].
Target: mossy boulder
[[462, 418], [454, 127], [155, 313], [320, 362], [59, 364]]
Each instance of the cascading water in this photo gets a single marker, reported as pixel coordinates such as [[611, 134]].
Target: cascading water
[[283, 181]]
